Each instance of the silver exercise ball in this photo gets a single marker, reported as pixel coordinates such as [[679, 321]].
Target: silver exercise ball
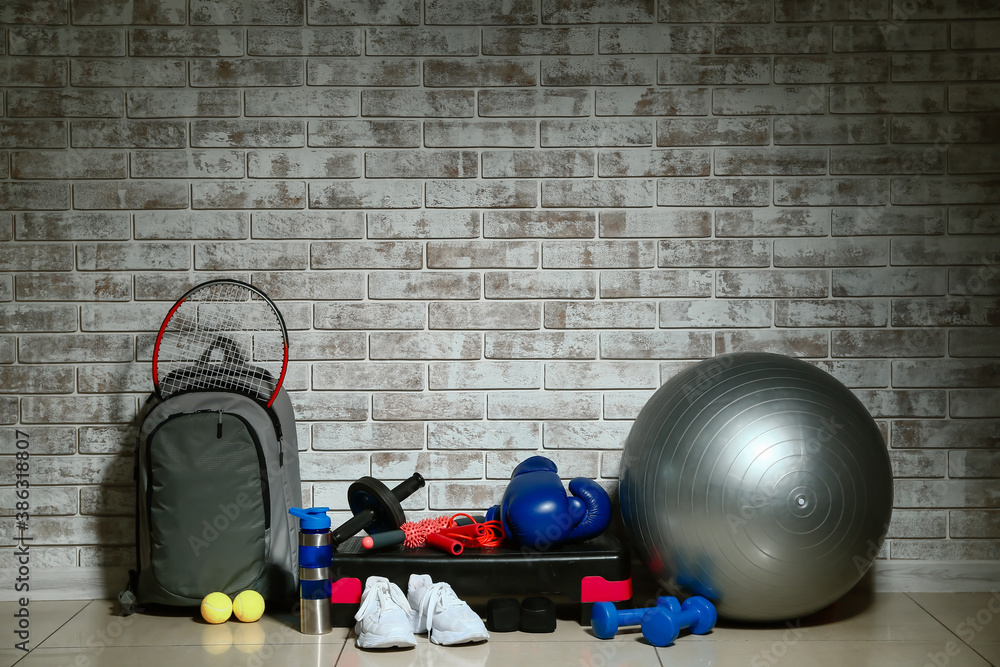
[[758, 481]]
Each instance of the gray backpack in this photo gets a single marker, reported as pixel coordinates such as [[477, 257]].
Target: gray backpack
[[215, 473]]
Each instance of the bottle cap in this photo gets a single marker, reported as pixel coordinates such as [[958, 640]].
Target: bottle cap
[[311, 518]]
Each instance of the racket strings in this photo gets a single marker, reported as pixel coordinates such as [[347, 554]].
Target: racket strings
[[212, 338]]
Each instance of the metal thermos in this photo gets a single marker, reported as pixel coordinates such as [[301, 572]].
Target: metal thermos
[[315, 556]]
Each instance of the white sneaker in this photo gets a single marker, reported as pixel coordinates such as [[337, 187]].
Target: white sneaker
[[438, 610], [384, 617]]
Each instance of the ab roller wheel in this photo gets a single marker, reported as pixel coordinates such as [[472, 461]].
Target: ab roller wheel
[[376, 509]]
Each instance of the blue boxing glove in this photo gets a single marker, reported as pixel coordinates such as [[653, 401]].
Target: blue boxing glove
[[536, 512], [596, 508]]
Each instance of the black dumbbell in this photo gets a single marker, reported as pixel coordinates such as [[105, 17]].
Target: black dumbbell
[[376, 509]]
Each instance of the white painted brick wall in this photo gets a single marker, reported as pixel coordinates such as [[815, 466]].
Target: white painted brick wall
[[496, 228]]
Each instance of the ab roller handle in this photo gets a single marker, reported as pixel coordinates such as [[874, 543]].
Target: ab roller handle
[[661, 624], [380, 540], [376, 508]]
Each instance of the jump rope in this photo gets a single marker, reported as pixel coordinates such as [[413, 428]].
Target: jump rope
[[444, 532]]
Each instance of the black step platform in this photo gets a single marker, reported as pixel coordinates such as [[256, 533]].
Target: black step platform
[[592, 571]]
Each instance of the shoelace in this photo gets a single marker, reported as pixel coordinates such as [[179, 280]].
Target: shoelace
[[438, 598], [384, 595]]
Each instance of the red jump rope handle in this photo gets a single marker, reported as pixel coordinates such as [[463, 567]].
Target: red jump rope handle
[[446, 544]]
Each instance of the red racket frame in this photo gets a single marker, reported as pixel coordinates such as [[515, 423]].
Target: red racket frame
[[255, 290]]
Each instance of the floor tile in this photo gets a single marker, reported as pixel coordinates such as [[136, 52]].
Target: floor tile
[[8, 656], [566, 631], [44, 616], [424, 654], [697, 653], [99, 625], [300, 655], [974, 617], [862, 629], [505, 654], [865, 617], [990, 651]]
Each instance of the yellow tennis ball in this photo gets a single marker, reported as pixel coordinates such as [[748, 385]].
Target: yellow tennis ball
[[248, 606], [216, 608]]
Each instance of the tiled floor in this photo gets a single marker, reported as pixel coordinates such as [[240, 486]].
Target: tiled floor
[[916, 629]]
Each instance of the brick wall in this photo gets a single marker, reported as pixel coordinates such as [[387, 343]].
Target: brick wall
[[496, 228]]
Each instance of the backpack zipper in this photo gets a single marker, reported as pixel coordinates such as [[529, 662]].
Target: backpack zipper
[[265, 485]]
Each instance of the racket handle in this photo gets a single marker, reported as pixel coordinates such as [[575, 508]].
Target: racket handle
[[445, 544], [386, 539]]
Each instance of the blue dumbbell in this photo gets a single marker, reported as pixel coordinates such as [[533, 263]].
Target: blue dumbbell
[[662, 624], [606, 618]]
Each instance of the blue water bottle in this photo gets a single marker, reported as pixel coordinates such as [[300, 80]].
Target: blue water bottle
[[315, 556]]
